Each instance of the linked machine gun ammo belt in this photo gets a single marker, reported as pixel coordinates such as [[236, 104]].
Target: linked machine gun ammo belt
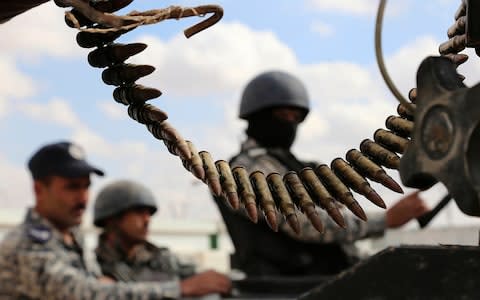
[[290, 194]]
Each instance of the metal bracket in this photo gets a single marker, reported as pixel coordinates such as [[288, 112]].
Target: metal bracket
[[445, 142]]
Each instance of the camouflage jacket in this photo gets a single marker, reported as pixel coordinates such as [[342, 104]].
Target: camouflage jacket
[[254, 157], [36, 263], [150, 263]]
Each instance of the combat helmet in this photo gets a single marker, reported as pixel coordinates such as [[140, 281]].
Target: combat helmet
[[271, 89], [120, 196]]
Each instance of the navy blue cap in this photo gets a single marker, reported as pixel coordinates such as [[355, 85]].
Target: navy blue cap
[[63, 159]]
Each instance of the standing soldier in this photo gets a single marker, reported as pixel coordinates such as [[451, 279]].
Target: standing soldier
[[274, 104], [123, 209], [43, 258]]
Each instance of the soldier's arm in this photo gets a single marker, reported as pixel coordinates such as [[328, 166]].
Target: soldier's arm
[[59, 280], [11, 8]]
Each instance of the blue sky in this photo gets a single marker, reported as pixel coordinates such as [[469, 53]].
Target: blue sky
[[49, 92]]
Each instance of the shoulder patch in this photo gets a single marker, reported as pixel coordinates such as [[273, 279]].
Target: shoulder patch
[[39, 233], [254, 152]]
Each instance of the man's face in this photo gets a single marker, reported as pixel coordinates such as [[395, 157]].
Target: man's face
[[289, 114], [133, 224], [63, 200]]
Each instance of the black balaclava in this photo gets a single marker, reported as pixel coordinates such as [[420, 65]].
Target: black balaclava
[[271, 132]]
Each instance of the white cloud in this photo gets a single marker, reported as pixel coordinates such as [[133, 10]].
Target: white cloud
[[38, 32], [323, 29], [403, 64], [113, 110], [56, 111], [15, 186], [216, 62], [14, 83]]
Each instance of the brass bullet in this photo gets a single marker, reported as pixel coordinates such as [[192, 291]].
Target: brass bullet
[[79, 17], [168, 132], [135, 94], [371, 170], [461, 10], [412, 95], [292, 221], [379, 154], [212, 179], [405, 112], [125, 73], [90, 40], [283, 200], [356, 181], [195, 165], [146, 113], [391, 141], [302, 199], [227, 181], [338, 189], [265, 198], [114, 54], [454, 45], [400, 126], [457, 28], [320, 193], [245, 191]]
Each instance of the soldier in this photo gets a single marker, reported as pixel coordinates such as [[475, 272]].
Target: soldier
[[43, 258], [274, 104], [123, 209]]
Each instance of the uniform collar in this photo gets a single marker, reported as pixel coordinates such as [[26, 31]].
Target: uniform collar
[[114, 252], [42, 230]]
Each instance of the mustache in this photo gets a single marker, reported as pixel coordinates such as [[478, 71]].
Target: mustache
[[79, 206]]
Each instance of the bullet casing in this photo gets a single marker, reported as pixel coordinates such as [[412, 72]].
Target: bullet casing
[[349, 176], [113, 54], [356, 181], [302, 199], [262, 192], [212, 178], [297, 190], [371, 170], [90, 40], [400, 126], [265, 198], [404, 112], [316, 187], [379, 154], [320, 193], [227, 182], [280, 194], [125, 73], [391, 141], [337, 188], [146, 114], [245, 191], [195, 165], [134, 94]]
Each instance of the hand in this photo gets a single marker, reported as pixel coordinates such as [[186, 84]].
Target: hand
[[406, 209], [106, 279], [205, 283]]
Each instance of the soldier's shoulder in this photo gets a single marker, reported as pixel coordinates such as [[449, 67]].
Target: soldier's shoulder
[[25, 237], [13, 239], [250, 158]]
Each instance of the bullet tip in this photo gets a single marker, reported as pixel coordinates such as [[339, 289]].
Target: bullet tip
[[293, 223]]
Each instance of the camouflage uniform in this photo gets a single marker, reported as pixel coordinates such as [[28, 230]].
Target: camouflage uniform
[[254, 157], [150, 263], [35, 263]]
